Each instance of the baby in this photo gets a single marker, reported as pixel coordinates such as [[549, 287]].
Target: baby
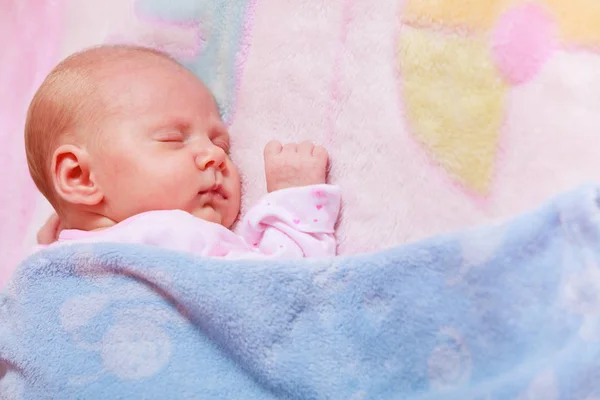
[[128, 146]]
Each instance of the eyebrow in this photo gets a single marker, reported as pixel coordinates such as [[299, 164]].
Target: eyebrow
[[172, 122], [216, 129]]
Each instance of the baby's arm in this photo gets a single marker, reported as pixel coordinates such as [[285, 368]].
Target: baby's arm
[[294, 222], [298, 216]]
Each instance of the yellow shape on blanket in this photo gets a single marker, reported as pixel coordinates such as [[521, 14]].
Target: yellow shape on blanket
[[578, 20], [472, 14], [454, 100]]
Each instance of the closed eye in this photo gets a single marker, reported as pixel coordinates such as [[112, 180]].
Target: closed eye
[[223, 144], [170, 137]]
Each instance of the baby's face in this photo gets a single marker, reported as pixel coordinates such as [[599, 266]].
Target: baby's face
[[162, 146]]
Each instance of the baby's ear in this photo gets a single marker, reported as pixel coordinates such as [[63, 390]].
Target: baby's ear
[[72, 176]]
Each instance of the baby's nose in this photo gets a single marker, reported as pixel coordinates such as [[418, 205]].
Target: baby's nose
[[213, 157]]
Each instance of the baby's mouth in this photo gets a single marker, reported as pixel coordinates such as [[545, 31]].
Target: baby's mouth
[[215, 190]]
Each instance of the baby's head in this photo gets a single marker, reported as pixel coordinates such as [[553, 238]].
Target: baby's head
[[115, 131]]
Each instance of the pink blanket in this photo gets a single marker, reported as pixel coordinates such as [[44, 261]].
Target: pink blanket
[[438, 113], [29, 45]]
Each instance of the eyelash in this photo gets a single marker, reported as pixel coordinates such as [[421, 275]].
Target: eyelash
[[178, 137], [172, 137], [222, 144]]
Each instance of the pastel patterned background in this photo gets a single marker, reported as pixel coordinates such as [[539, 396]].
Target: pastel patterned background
[[438, 114]]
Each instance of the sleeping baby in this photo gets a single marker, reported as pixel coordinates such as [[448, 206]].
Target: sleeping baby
[[128, 146]]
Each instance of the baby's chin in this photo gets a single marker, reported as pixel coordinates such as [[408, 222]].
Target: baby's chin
[[209, 214], [213, 214]]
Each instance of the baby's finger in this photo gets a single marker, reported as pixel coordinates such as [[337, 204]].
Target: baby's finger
[[320, 153], [306, 147], [273, 147], [290, 148]]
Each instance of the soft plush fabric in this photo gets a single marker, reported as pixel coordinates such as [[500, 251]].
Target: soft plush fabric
[[438, 114], [500, 312]]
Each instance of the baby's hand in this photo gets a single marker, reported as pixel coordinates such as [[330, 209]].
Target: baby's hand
[[294, 165], [48, 233]]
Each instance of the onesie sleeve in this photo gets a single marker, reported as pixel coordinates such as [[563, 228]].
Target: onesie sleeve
[[294, 222]]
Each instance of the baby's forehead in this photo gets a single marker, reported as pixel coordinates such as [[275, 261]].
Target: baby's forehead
[[149, 77], [149, 91]]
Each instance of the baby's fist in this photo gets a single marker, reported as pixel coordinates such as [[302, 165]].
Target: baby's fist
[[294, 165]]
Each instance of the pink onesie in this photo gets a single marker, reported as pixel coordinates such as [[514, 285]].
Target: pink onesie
[[294, 222]]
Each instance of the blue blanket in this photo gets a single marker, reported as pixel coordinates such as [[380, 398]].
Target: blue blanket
[[501, 312]]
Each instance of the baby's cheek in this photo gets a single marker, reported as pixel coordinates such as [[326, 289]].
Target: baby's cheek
[[114, 168]]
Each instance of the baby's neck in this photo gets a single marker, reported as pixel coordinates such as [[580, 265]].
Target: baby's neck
[[87, 221]]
